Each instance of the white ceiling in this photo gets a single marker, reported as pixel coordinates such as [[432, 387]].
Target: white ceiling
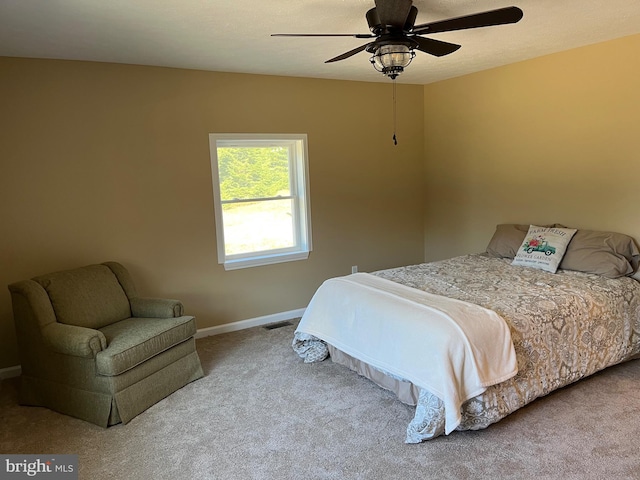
[[234, 35]]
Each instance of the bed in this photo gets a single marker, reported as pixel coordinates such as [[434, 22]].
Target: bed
[[471, 339]]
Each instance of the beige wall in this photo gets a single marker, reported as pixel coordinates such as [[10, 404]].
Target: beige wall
[[550, 140], [110, 162]]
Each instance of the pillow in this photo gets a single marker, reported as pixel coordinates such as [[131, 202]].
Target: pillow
[[543, 247], [608, 254], [507, 239]]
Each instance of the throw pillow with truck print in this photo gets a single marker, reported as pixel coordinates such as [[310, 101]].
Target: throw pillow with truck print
[[544, 247]]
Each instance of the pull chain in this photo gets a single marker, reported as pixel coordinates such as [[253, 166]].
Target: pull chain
[[395, 141]]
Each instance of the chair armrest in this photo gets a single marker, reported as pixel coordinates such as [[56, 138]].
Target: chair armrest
[[145, 307], [74, 340]]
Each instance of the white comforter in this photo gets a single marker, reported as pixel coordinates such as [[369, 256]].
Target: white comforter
[[452, 348]]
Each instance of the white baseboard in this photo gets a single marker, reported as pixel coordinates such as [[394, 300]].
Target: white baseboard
[[10, 372], [249, 323]]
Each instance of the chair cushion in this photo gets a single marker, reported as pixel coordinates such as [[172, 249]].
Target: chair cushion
[[88, 297], [134, 340]]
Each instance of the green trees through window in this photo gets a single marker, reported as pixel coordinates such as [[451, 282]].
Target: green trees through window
[[253, 172]]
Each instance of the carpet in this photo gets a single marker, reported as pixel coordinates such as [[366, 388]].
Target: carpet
[[261, 413]]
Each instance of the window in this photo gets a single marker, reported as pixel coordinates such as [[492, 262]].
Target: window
[[261, 198]]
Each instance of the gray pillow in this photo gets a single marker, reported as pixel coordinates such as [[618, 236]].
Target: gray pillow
[[507, 240], [608, 254]]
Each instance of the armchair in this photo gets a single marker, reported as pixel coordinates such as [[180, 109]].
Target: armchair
[[90, 347]]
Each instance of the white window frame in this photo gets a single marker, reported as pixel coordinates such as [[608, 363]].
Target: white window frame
[[299, 183]]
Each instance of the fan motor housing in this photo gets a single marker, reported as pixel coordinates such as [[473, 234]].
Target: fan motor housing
[[377, 28]]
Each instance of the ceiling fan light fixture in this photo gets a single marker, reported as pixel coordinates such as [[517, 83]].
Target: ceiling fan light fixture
[[391, 59]]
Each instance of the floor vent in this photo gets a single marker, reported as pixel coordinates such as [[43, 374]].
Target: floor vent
[[273, 326]]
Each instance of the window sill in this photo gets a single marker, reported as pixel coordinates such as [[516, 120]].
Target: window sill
[[266, 260]]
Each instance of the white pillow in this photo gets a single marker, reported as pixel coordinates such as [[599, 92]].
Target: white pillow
[[543, 248]]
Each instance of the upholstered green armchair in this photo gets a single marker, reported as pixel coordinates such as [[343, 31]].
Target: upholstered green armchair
[[91, 348]]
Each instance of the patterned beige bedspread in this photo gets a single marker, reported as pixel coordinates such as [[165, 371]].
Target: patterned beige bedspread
[[564, 327]]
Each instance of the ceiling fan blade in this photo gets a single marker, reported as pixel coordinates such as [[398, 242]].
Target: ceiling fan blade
[[393, 13], [411, 19], [349, 53], [355, 35], [500, 16], [437, 48]]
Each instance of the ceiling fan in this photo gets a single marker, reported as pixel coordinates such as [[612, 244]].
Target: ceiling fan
[[392, 25]]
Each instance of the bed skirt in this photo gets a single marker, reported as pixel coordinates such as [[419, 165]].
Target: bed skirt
[[406, 392]]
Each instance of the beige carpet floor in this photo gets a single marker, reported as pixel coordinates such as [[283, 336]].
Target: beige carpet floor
[[260, 413]]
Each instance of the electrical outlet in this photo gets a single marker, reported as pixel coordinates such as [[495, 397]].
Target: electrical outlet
[[354, 269]]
